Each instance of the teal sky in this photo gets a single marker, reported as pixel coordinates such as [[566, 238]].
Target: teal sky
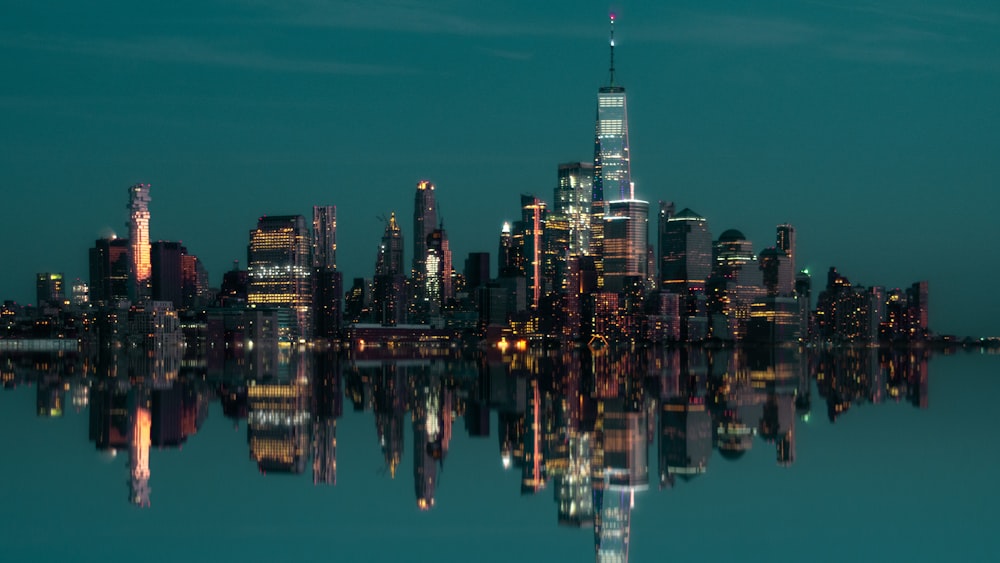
[[873, 127]]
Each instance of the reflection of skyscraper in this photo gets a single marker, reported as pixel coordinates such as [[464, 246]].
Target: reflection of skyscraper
[[685, 439], [138, 233], [279, 269], [138, 453], [388, 390], [427, 442], [277, 426], [324, 451]]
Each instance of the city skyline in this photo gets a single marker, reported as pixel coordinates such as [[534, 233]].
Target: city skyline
[[864, 129]]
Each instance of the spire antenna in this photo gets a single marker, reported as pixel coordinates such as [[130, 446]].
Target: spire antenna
[[612, 68]]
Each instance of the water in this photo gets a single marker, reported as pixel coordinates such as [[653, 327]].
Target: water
[[905, 471]]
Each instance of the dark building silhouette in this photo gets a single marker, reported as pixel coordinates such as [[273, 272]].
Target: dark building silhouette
[[109, 271]]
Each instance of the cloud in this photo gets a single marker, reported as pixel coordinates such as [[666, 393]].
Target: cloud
[[733, 31], [445, 18], [192, 51]]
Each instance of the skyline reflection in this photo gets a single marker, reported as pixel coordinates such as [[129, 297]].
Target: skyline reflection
[[590, 427]]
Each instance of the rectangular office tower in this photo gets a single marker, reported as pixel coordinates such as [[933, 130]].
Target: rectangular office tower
[[572, 201], [626, 233], [109, 271], [328, 288], [279, 269], [49, 290]]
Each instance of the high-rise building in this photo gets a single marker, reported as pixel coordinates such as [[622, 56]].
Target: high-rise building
[[612, 168], [328, 282], [425, 220], [109, 271], [735, 283], [477, 270], [279, 269], [785, 240], [138, 232], [572, 201], [531, 228], [325, 236], [510, 256], [194, 281], [81, 293], [166, 278], [685, 251], [626, 231], [389, 291], [49, 290], [438, 268]]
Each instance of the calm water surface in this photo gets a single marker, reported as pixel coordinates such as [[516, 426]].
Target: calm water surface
[[746, 456]]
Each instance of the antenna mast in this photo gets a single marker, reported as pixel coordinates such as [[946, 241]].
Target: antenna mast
[[612, 68]]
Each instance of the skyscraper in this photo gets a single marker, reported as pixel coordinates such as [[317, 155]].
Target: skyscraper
[[685, 252], [425, 220], [572, 201], [613, 182], [625, 243], [138, 233], [109, 271], [166, 279], [325, 236], [328, 282], [438, 271], [279, 269], [388, 290], [785, 240], [531, 228], [49, 290]]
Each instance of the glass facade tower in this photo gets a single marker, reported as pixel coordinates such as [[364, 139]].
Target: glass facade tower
[[279, 268], [138, 232], [572, 201], [612, 169], [626, 229], [425, 221]]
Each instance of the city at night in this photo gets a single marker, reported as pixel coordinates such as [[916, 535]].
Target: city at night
[[425, 280]]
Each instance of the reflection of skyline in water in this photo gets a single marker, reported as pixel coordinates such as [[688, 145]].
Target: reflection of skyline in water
[[580, 424]]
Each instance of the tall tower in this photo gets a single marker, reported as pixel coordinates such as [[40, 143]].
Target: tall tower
[[532, 229], [325, 237], [572, 201], [425, 220], [109, 271], [438, 273], [138, 234], [387, 298], [785, 240], [612, 170], [328, 287], [279, 270]]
